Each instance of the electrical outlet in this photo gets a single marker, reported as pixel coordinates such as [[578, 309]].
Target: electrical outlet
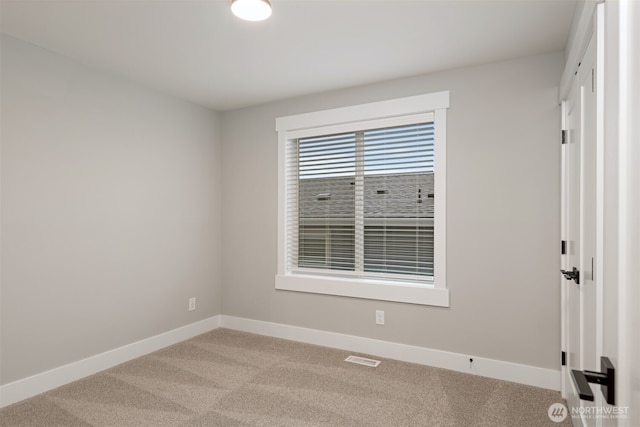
[[379, 317], [192, 304]]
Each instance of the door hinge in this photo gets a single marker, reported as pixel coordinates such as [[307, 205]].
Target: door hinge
[[563, 247], [564, 358], [564, 136]]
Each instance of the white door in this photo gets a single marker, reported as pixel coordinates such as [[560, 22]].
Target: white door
[[579, 232]]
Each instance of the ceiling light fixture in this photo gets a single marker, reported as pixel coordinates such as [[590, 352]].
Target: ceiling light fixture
[[251, 10]]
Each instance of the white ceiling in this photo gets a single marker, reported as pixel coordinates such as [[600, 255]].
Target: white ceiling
[[199, 51]]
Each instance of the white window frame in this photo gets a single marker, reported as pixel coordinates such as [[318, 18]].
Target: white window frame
[[430, 292]]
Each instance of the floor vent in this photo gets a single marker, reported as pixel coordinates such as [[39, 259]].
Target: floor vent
[[362, 361]]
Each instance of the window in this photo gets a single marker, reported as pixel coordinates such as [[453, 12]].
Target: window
[[362, 201]]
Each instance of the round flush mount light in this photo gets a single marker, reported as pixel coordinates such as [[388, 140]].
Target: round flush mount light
[[251, 10]]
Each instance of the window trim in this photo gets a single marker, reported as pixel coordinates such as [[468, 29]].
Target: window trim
[[432, 293]]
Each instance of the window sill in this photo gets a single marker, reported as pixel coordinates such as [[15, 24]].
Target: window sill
[[365, 288]]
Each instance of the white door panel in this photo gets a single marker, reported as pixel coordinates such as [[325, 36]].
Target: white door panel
[[580, 219]]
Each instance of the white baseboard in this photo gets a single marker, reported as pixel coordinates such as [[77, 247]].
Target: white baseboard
[[45, 381], [507, 371]]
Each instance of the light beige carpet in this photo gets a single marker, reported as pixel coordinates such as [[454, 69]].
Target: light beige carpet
[[231, 378]]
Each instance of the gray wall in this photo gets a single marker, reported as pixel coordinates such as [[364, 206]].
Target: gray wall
[[502, 227], [114, 214], [110, 212]]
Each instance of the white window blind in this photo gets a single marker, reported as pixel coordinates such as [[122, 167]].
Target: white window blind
[[362, 202]]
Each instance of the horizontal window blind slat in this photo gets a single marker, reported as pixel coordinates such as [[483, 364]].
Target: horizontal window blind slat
[[390, 171]]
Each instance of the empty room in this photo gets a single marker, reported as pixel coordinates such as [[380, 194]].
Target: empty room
[[319, 212]]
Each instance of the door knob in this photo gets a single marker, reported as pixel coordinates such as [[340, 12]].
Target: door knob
[[572, 275]]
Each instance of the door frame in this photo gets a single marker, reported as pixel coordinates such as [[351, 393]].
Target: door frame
[[626, 127]]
